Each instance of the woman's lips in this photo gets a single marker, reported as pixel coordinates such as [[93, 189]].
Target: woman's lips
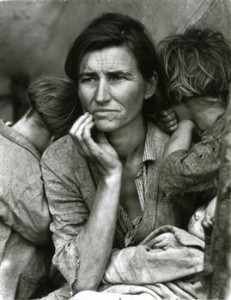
[[103, 112]]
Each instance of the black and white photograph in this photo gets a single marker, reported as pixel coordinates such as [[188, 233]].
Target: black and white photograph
[[115, 149]]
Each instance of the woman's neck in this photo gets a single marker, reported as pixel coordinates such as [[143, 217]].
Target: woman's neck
[[129, 141]]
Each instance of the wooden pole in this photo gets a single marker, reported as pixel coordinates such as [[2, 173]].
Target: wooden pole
[[220, 280]]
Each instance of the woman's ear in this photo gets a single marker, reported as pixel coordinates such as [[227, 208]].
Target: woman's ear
[[151, 85]]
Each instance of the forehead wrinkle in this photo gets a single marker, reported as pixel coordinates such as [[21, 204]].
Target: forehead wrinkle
[[107, 61]]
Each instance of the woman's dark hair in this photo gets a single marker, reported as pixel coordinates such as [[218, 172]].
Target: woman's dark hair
[[112, 29]]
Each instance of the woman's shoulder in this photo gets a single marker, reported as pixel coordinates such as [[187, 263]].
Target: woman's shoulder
[[62, 151], [156, 131]]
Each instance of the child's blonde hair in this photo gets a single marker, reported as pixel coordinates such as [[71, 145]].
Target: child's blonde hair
[[197, 63]]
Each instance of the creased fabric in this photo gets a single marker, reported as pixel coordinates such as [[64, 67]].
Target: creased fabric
[[168, 273], [71, 183], [24, 218], [159, 291], [144, 264], [195, 170]]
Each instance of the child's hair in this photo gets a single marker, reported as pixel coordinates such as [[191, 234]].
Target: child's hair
[[197, 63], [54, 99]]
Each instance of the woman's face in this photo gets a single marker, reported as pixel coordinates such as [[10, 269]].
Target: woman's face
[[111, 88]]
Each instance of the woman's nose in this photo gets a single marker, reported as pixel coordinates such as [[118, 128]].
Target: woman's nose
[[102, 92]]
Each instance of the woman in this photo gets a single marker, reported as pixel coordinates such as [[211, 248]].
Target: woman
[[102, 182]]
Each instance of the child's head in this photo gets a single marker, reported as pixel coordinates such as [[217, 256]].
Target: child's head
[[202, 219], [197, 63], [195, 224], [54, 99]]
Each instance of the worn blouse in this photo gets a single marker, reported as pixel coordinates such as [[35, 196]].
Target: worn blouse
[[71, 183]]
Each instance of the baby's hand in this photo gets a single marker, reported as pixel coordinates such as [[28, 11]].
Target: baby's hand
[[208, 220], [167, 120], [165, 240]]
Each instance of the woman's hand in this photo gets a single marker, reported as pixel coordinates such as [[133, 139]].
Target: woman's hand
[[101, 153], [167, 120]]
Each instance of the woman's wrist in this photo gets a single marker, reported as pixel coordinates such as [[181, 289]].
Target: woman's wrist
[[112, 178]]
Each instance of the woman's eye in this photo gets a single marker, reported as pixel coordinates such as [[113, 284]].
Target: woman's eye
[[117, 77], [87, 80]]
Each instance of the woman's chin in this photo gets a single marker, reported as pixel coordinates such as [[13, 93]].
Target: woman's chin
[[105, 125]]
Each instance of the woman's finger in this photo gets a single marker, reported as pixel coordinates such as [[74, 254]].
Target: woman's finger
[[83, 124], [93, 148], [77, 131], [103, 154], [80, 129], [82, 149], [86, 130], [78, 122]]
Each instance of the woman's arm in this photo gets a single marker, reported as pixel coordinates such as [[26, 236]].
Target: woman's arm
[[195, 169], [83, 248], [97, 236]]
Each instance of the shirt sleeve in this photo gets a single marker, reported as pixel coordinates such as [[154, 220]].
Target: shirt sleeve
[[68, 209], [23, 204], [195, 170]]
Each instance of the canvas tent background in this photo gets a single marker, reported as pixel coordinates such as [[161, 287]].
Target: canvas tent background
[[35, 35]]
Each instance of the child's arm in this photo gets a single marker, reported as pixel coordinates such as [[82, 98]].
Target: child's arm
[[195, 169], [181, 139]]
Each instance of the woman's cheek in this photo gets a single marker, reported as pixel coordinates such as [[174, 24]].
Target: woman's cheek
[[85, 101]]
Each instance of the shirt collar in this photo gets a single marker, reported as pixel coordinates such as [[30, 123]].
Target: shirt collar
[[19, 139], [150, 143]]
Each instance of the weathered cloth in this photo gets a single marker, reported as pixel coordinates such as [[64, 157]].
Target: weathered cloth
[[175, 290], [220, 252], [71, 182], [167, 273], [24, 218], [196, 170]]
